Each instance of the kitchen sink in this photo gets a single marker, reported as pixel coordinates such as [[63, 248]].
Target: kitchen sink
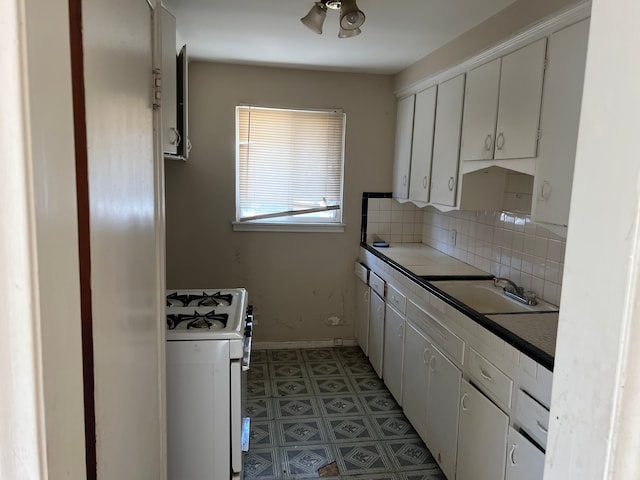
[[483, 297]]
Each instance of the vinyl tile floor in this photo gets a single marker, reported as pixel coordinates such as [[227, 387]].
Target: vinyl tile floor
[[324, 413]]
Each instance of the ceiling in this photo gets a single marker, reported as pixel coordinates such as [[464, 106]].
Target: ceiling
[[396, 33]]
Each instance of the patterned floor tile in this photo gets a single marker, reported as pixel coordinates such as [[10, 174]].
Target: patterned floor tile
[[262, 434], [327, 368], [350, 429], [362, 458], [381, 476], [368, 383], [340, 405], [258, 371], [380, 402], [279, 371], [392, 426], [263, 464], [331, 386], [359, 367], [435, 474], [258, 408], [297, 407], [304, 431], [258, 388], [258, 357], [410, 455], [350, 353], [284, 356], [291, 387], [304, 461], [319, 354]]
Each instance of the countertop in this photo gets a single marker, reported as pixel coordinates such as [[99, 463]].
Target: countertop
[[532, 333]]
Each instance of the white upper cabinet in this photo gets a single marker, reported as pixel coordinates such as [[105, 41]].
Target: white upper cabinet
[[480, 112], [521, 80], [560, 119], [502, 106], [170, 135], [422, 145], [404, 135], [446, 142]]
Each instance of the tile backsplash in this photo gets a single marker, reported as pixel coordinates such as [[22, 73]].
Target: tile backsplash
[[504, 244]]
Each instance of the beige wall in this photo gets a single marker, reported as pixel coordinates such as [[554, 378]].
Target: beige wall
[[295, 280], [514, 18]]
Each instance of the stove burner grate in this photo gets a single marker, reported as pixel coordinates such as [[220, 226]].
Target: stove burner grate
[[203, 300], [198, 320]]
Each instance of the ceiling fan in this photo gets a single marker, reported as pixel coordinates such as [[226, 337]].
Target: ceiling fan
[[351, 17]]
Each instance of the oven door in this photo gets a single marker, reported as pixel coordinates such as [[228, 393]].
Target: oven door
[[236, 418]]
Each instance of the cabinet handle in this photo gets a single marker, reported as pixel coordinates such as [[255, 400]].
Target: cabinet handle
[[451, 183], [404, 180], [545, 190], [432, 363], [188, 145], [541, 427], [424, 182], [500, 141], [424, 353], [400, 331], [366, 295], [175, 140], [512, 455], [485, 375], [487, 143], [462, 405]]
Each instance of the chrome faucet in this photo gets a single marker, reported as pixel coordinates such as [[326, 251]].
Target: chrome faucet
[[514, 291]]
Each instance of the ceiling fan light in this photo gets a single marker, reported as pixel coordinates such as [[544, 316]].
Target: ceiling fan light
[[315, 18], [348, 33], [351, 17]]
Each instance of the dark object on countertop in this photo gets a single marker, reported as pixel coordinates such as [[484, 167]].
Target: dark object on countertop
[[380, 244]]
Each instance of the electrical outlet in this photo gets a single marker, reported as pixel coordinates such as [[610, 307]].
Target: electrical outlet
[[333, 321], [453, 234], [337, 342]]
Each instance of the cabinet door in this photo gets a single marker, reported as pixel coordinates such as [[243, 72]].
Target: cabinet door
[[404, 135], [362, 315], [560, 119], [393, 344], [442, 411], [519, 104], [422, 146], [524, 460], [480, 112], [170, 137], [446, 142], [415, 379], [376, 331], [482, 437]]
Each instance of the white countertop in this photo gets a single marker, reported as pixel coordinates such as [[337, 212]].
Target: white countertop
[[421, 259], [539, 329]]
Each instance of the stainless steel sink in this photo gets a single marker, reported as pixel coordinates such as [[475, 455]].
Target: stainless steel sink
[[483, 297]]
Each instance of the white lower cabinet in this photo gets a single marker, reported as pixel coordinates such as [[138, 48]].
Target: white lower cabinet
[[524, 460], [482, 437], [362, 315], [393, 346], [442, 411], [415, 375], [376, 331]]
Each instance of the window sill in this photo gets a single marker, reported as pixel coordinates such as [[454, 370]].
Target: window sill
[[288, 227]]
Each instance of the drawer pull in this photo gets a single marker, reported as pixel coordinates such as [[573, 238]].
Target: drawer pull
[[542, 428], [424, 356], [485, 375], [512, 455], [400, 331], [462, 405], [432, 363]]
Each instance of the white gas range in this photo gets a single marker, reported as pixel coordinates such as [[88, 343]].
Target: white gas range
[[208, 346]]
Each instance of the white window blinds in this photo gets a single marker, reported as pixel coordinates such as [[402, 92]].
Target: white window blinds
[[289, 165]]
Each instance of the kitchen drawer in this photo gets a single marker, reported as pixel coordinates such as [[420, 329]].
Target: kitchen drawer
[[362, 272], [532, 417], [442, 337], [376, 284], [397, 299], [489, 377]]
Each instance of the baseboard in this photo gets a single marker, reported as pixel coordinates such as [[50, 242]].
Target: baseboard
[[346, 342]]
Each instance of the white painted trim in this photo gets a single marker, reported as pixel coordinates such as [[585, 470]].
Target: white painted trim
[[542, 29], [346, 342], [289, 227]]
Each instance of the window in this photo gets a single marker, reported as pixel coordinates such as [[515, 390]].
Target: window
[[289, 167]]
